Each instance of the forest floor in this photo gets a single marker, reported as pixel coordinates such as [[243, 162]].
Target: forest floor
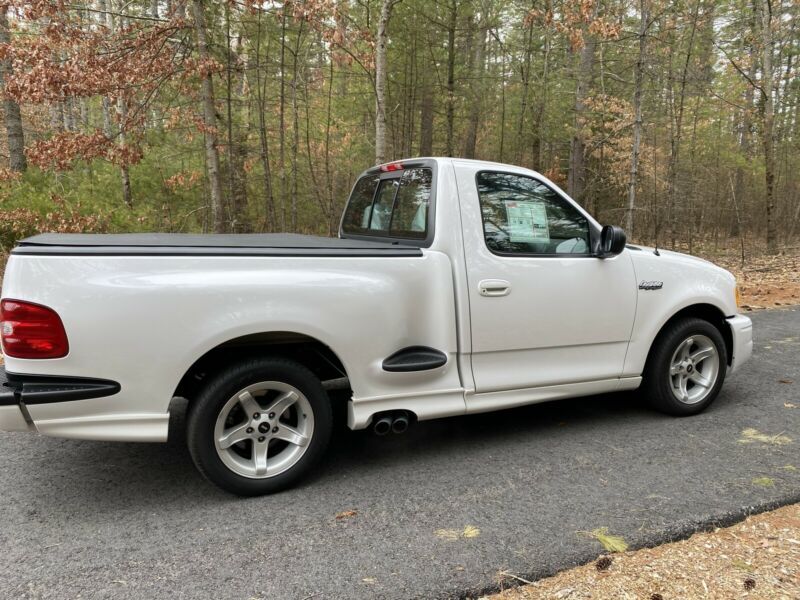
[[757, 558], [764, 281]]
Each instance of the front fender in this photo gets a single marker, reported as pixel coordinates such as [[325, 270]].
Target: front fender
[[687, 282]]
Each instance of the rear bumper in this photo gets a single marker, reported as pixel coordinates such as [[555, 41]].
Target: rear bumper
[[19, 391], [742, 335]]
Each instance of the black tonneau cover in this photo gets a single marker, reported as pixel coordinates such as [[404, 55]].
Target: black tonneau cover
[[188, 244]]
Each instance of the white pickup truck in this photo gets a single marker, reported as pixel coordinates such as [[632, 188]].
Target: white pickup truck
[[455, 287]]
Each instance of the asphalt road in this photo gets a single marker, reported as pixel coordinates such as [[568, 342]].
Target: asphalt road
[[102, 520]]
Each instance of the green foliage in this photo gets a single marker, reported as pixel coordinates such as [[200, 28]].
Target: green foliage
[[303, 83]]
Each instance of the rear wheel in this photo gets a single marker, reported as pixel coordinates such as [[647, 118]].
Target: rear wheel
[[686, 368], [259, 426]]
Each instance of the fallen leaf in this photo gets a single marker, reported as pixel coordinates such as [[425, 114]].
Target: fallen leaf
[[470, 531], [612, 543], [369, 580], [764, 481], [346, 514], [789, 405], [743, 566], [787, 381], [446, 534], [751, 435], [788, 468]]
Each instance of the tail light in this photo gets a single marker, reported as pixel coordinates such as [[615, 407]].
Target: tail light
[[31, 331], [388, 168]]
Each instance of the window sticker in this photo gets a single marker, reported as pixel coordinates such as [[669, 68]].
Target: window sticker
[[527, 221]]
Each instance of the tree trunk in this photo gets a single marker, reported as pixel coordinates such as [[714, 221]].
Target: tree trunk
[[124, 172], [13, 118], [282, 125], [675, 142], [295, 128], [539, 121], [426, 113], [450, 100], [637, 109], [269, 200], [768, 116], [576, 180], [476, 104], [108, 130], [122, 118], [745, 133], [525, 75], [209, 120], [380, 81]]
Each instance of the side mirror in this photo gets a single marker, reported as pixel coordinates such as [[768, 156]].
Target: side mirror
[[612, 241]]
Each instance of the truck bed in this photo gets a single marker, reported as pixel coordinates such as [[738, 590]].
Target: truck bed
[[186, 244]]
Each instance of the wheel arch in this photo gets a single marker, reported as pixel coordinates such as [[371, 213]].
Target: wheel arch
[[304, 349], [706, 312]]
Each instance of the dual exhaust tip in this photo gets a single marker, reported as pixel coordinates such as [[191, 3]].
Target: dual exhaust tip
[[396, 422]]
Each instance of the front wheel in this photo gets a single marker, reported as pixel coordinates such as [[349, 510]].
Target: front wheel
[[686, 368], [259, 426]]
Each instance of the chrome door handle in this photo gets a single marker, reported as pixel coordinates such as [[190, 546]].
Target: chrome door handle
[[494, 287]]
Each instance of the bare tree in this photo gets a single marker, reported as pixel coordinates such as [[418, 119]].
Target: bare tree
[[476, 103], [13, 118], [380, 80], [644, 9], [209, 120], [576, 181], [677, 129], [122, 117], [269, 200], [768, 118], [450, 100]]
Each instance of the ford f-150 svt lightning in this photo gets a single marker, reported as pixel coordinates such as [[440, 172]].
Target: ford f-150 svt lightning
[[454, 287]]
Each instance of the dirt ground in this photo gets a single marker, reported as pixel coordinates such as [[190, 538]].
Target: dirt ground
[[757, 558], [765, 281]]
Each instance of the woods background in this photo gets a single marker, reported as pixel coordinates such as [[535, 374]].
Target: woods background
[[676, 119]]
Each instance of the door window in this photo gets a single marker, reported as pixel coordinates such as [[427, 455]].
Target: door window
[[522, 215]]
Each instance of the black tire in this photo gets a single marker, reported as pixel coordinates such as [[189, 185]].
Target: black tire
[[657, 386], [206, 407]]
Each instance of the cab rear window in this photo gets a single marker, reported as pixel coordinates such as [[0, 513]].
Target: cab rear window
[[396, 207]]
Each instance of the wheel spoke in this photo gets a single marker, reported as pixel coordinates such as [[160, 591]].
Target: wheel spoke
[[682, 386], [701, 355], [698, 379], [282, 403], [249, 404], [675, 369], [687, 345], [234, 435], [259, 457], [291, 435]]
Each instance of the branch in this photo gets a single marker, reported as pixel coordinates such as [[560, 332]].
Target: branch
[[755, 85]]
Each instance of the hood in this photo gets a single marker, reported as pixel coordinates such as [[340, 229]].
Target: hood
[[685, 279], [678, 258]]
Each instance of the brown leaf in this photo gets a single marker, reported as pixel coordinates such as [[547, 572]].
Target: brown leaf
[[346, 514]]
